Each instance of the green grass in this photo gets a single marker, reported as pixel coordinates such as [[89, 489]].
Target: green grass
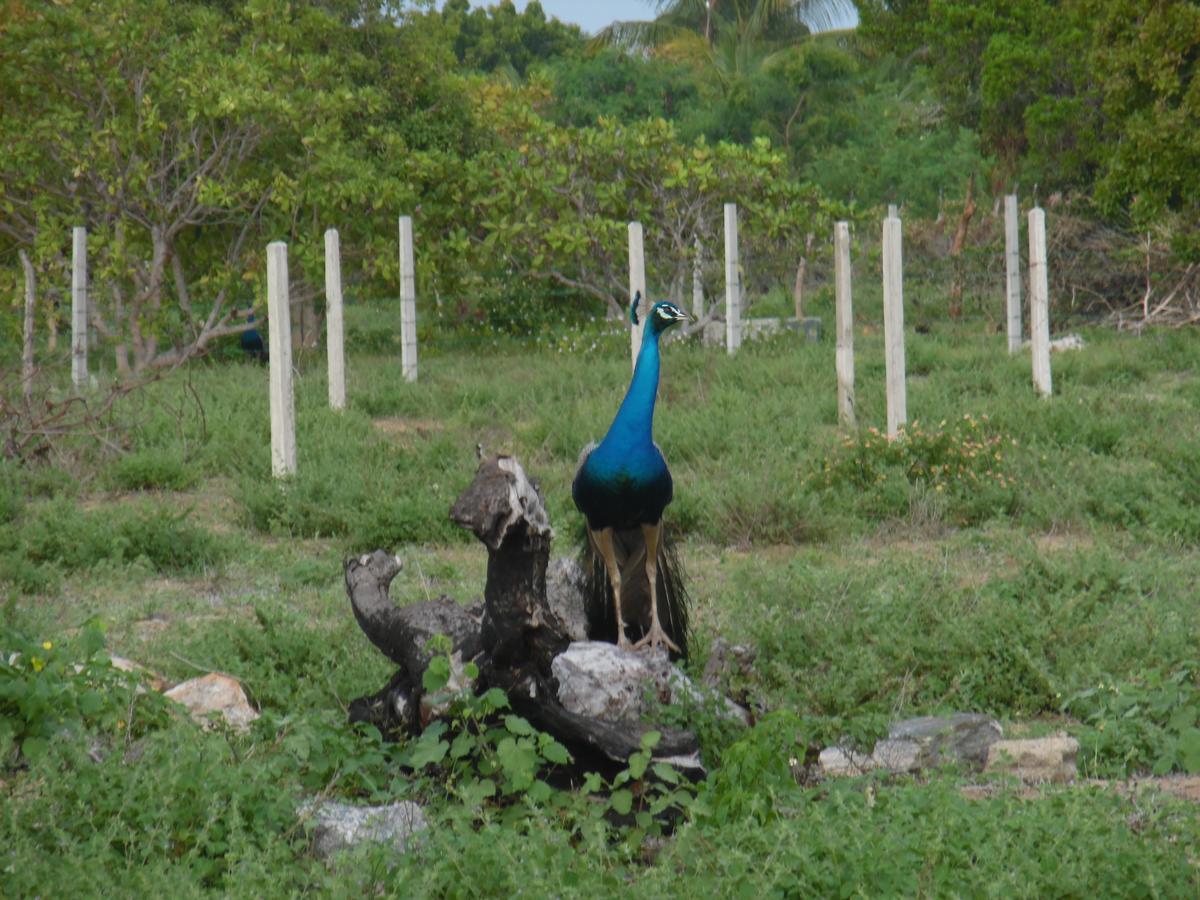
[[1053, 586]]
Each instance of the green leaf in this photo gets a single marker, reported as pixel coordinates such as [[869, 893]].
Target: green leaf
[[474, 792], [621, 801], [666, 772], [437, 674], [519, 763], [540, 792], [555, 752], [429, 748], [650, 739], [35, 748], [462, 745], [91, 702], [638, 763], [494, 699], [517, 725]]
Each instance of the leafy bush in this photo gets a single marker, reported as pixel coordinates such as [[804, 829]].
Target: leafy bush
[[152, 469], [963, 463], [57, 537], [60, 534], [11, 499], [56, 694], [1151, 724]]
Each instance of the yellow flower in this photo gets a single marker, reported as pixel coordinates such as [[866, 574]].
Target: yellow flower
[[38, 663], [47, 645]]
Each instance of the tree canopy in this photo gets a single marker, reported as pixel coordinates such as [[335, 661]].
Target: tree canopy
[[1097, 96], [185, 135]]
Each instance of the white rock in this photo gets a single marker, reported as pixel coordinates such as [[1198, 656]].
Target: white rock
[[897, 755], [1035, 759], [340, 826], [837, 761], [602, 681], [215, 693], [1067, 342]]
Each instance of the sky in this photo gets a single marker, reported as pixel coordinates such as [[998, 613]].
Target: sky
[[594, 15]]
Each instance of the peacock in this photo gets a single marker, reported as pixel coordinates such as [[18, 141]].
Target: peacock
[[252, 342], [622, 486]]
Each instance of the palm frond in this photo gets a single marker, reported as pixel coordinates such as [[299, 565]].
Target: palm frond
[[633, 37]]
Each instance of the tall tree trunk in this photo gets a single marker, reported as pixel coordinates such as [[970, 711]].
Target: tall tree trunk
[[956, 249], [801, 269]]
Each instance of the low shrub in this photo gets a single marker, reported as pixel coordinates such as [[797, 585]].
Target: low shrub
[[152, 469]]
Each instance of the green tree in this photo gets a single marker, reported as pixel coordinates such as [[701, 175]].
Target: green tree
[[500, 39], [1144, 59], [618, 85], [186, 135], [1085, 94], [552, 203]]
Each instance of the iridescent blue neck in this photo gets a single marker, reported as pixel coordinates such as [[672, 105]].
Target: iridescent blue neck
[[635, 418]]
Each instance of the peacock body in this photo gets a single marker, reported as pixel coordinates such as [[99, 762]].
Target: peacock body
[[622, 487]]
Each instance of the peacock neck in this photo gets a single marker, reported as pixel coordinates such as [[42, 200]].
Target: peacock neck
[[635, 419]]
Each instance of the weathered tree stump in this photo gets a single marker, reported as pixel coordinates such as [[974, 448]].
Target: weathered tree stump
[[513, 639]]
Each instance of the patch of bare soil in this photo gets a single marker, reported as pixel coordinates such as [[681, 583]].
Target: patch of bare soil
[[1183, 787], [1059, 542], [401, 429]]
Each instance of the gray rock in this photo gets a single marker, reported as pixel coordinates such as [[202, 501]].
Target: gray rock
[[601, 681], [960, 738], [726, 660], [566, 585], [340, 826], [922, 743]]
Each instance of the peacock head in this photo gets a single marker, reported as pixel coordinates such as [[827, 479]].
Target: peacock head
[[663, 315]]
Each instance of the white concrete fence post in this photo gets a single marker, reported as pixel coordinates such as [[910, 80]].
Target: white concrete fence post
[[893, 326], [1039, 302], [79, 308], [408, 302], [27, 327], [1012, 272], [637, 284], [279, 324], [845, 325], [335, 334], [733, 282]]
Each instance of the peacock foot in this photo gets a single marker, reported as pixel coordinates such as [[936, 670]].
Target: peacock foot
[[623, 642], [656, 638]]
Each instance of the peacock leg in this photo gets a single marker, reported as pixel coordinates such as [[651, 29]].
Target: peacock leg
[[655, 637], [603, 539]]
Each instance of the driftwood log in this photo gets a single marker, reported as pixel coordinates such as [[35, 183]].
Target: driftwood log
[[513, 637]]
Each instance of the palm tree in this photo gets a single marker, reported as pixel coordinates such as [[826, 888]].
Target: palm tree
[[778, 21], [740, 48]]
